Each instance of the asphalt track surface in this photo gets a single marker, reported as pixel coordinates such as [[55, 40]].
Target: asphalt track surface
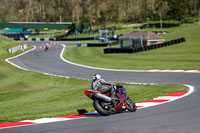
[[180, 116]]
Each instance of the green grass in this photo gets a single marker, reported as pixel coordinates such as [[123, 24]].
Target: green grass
[[184, 56], [29, 95]]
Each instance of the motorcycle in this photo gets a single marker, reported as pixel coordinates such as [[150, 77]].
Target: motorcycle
[[104, 105], [46, 48]]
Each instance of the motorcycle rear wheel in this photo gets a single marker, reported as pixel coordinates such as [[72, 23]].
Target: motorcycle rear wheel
[[130, 105], [101, 109]]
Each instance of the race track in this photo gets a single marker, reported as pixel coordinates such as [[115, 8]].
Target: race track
[[180, 116]]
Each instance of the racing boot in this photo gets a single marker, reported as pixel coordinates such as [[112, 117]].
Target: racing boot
[[115, 100]]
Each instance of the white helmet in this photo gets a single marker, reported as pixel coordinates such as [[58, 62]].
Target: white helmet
[[96, 76]]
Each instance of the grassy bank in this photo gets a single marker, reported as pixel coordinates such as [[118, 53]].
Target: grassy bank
[[181, 56], [29, 95]]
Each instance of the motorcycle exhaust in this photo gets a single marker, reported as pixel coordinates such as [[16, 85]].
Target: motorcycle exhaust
[[103, 97]]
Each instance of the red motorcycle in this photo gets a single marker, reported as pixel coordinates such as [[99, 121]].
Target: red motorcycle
[[104, 105]]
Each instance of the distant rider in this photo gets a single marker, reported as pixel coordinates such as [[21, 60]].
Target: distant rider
[[97, 84], [47, 46]]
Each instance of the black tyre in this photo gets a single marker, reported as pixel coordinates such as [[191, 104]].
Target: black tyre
[[102, 107], [131, 105]]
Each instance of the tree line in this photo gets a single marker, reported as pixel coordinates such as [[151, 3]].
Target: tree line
[[103, 11]]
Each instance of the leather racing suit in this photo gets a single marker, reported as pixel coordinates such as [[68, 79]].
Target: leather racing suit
[[97, 84]]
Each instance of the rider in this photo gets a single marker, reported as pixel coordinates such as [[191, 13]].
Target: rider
[[97, 84], [47, 46]]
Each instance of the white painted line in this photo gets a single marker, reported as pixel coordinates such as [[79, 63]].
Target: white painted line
[[147, 104], [34, 47], [144, 105], [195, 71], [191, 90], [156, 70], [92, 67], [166, 98], [47, 120], [7, 60], [136, 83]]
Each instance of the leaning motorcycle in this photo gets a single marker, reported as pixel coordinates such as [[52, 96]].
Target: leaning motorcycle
[[104, 105], [46, 48]]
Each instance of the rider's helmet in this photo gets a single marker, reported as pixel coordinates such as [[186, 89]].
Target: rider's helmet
[[96, 76]]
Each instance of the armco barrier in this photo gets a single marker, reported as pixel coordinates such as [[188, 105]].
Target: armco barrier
[[118, 50], [82, 39], [134, 50], [167, 43], [15, 49], [37, 39], [97, 44], [75, 39], [115, 40]]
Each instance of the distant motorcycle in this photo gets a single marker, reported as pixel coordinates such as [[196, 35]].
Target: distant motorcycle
[[103, 104], [46, 48]]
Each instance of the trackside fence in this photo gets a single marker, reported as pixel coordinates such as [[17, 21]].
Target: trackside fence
[[145, 48], [17, 48]]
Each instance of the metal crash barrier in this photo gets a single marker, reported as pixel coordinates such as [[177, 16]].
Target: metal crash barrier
[[17, 48]]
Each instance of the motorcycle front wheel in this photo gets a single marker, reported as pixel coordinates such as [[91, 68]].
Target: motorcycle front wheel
[[102, 107], [131, 105]]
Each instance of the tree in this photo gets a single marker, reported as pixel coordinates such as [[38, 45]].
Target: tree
[[199, 10], [161, 8], [104, 11], [178, 9]]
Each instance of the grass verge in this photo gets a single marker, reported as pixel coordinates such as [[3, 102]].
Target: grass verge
[[183, 56]]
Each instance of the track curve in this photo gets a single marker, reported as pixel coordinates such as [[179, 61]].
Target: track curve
[[179, 116]]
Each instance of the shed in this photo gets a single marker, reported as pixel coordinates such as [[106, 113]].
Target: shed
[[139, 39]]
